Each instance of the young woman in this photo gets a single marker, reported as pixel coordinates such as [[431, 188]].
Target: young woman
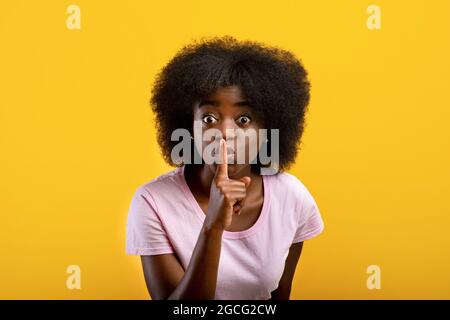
[[223, 230]]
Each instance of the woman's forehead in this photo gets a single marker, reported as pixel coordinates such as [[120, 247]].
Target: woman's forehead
[[231, 95]]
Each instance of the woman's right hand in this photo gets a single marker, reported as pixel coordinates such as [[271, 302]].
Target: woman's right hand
[[226, 195]]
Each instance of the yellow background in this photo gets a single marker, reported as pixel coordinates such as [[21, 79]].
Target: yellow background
[[77, 137]]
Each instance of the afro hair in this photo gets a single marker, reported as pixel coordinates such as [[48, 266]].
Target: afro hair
[[272, 79]]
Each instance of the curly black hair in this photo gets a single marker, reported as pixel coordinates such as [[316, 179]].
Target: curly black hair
[[272, 79]]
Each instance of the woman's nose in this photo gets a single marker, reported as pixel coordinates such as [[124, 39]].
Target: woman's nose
[[228, 129]]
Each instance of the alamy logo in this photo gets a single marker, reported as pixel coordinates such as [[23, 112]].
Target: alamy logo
[[74, 279], [374, 279], [258, 142]]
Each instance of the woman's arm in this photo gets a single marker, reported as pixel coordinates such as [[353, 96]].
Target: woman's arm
[[200, 280], [283, 291], [166, 279]]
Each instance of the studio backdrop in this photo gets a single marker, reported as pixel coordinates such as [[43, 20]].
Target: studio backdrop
[[77, 136]]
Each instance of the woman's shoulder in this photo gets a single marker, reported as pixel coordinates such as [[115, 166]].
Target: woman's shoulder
[[288, 184], [286, 180], [166, 182], [292, 187]]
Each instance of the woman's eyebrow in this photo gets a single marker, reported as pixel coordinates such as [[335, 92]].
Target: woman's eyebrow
[[215, 103]]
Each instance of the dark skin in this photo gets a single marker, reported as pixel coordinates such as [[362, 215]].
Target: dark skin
[[230, 195]]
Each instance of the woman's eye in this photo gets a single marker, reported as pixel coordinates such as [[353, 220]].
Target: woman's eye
[[244, 119], [209, 119]]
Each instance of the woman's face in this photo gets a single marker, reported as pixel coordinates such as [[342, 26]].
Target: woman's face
[[227, 110]]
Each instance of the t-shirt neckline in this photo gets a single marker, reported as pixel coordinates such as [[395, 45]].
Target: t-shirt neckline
[[229, 234]]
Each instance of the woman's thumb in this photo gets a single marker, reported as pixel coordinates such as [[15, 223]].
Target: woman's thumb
[[246, 180]]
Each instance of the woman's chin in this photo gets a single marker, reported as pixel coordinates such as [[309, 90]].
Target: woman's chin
[[234, 169]]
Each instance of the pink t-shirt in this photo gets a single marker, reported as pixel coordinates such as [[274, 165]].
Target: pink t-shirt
[[164, 217]]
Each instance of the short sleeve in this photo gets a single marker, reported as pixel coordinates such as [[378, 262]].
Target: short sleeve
[[145, 234], [310, 223]]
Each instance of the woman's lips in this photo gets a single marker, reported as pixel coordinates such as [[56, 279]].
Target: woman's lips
[[230, 151], [231, 157], [231, 154]]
